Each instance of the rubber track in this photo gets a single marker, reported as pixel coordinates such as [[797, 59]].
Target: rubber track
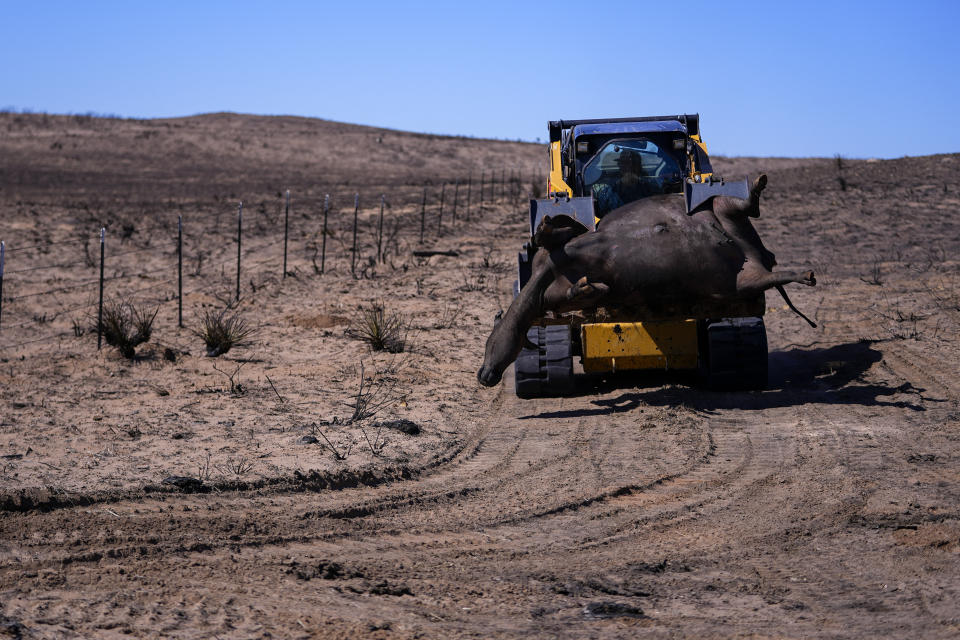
[[547, 371], [737, 354]]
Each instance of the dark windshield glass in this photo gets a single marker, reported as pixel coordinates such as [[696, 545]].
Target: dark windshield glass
[[627, 170]]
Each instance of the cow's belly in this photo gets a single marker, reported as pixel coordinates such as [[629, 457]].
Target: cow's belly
[[661, 260]]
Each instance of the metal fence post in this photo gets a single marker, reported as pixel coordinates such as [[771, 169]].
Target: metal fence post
[[103, 233], [286, 225], [380, 230], [423, 213], [469, 186], [443, 191], [239, 242], [3, 248], [356, 212], [323, 251], [180, 271], [456, 201]]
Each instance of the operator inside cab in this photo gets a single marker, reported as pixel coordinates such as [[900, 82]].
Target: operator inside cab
[[628, 170]]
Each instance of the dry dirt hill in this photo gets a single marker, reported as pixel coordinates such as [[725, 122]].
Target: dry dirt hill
[[248, 495]]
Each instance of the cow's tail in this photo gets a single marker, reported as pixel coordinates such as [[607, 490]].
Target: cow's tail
[[793, 308]]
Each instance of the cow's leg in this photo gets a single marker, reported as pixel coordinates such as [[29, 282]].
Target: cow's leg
[[753, 279], [555, 295], [733, 215]]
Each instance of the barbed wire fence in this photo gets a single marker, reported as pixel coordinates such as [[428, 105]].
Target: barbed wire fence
[[195, 250]]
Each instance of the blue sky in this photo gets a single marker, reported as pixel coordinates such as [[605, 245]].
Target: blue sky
[[870, 79]]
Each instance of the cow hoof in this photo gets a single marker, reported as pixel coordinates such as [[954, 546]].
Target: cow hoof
[[760, 183], [578, 289], [583, 289]]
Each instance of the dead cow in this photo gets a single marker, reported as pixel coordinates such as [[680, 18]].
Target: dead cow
[[650, 250]]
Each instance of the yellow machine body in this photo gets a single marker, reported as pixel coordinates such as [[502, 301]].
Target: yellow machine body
[[556, 183], [617, 346], [698, 176]]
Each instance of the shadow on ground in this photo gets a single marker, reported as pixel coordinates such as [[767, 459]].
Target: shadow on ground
[[830, 375]]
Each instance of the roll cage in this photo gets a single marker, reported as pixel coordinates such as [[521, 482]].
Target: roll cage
[[579, 142]]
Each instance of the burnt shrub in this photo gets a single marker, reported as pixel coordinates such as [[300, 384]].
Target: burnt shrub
[[383, 330], [126, 325], [223, 330]]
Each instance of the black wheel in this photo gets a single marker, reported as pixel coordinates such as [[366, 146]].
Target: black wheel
[[547, 370], [734, 354]]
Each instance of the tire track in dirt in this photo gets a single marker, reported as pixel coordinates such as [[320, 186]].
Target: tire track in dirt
[[743, 462], [861, 441], [164, 547], [488, 466], [916, 367], [753, 480], [542, 493], [492, 460], [547, 453], [847, 456]]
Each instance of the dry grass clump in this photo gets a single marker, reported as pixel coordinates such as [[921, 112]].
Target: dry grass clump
[[381, 329], [126, 325], [222, 330]]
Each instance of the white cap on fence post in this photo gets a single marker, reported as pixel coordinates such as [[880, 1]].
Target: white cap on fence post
[[103, 232]]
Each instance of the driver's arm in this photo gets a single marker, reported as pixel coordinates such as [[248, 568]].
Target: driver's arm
[[605, 198]]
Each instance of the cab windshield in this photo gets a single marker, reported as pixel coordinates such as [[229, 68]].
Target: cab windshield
[[627, 170]]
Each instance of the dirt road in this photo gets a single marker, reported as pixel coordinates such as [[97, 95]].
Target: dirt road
[[826, 506], [822, 509]]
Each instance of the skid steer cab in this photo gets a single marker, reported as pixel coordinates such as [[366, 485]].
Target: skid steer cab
[[596, 166]]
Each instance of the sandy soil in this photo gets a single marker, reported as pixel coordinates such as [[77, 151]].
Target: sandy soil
[[826, 506]]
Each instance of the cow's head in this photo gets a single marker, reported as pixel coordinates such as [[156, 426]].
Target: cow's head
[[503, 347]]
